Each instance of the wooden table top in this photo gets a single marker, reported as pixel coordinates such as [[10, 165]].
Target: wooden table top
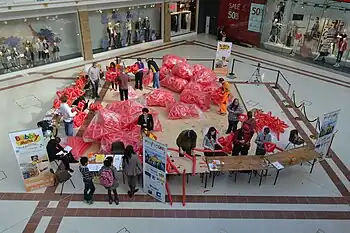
[[239, 163], [294, 156], [185, 163]]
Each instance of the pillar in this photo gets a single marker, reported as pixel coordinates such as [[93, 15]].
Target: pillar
[[167, 23], [85, 35]]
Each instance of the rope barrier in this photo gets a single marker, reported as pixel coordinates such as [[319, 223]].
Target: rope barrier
[[294, 101], [311, 121]]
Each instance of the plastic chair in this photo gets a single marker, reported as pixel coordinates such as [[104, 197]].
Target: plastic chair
[[295, 139]]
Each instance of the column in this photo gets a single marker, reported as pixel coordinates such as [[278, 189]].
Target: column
[[166, 23], [85, 35]]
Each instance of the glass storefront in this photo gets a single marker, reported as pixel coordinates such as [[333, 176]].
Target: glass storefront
[[314, 31], [117, 28], [183, 17], [29, 42]]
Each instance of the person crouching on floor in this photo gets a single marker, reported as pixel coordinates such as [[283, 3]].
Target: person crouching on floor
[[108, 179], [132, 168]]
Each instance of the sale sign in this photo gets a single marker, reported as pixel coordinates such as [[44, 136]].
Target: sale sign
[[239, 20]]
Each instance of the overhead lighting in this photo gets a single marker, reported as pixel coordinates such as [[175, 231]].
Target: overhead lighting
[[100, 11], [5, 22], [129, 8], [37, 18], [25, 20], [145, 6], [56, 16], [47, 17]]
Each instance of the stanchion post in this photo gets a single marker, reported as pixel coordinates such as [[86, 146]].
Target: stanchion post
[[232, 67], [213, 64], [278, 77]]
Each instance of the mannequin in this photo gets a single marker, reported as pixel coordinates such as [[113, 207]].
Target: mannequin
[[4, 62], [128, 26], [298, 40], [46, 51], [315, 27], [15, 58], [8, 54], [138, 26], [56, 52], [174, 23], [273, 33], [146, 27], [39, 49], [110, 34], [28, 57], [30, 47], [342, 47], [117, 32], [327, 41]]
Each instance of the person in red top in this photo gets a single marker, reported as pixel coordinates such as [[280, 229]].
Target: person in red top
[[241, 140], [342, 47], [123, 80], [112, 68]]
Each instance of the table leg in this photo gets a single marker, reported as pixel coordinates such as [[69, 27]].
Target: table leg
[[312, 166], [202, 177], [212, 182], [261, 175], [206, 180], [187, 175], [250, 176], [236, 176], [278, 172]]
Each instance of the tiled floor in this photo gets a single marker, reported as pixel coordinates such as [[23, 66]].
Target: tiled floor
[[300, 202]]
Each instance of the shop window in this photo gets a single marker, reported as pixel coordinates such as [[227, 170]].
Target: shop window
[[37, 41], [313, 32], [117, 28], [183, 20]]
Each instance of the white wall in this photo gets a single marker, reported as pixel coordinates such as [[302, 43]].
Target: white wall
[[99, 31], [64, 26]]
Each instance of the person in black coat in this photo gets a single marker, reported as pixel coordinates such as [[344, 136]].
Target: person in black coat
[[53, 147], [146, 120]]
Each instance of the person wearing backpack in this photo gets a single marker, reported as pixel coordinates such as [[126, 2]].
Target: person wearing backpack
[[108, 179]]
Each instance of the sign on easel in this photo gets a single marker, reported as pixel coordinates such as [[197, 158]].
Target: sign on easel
[[223, 52], [327, 130], [30, 150], [154, 165]]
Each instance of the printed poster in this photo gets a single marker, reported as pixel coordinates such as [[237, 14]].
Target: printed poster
[[223, 53], [256, 17], [154, 165], [327, 130], [30, 150]]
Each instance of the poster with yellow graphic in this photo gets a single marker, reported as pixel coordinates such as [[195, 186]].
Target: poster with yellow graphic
[[30, 150], [223, 53]]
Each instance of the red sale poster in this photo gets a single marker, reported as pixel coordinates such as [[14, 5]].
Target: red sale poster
[[234, 17]]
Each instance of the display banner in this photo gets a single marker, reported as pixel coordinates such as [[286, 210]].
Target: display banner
[[223, 53], [235, 16], [30, 151], [327, 130], [154, 165], [256, 17]]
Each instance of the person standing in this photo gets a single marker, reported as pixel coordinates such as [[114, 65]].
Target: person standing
[[94, 78], [123, 80], [113, 71], [67, 116], [234, 110], [132, 168], [186, 141], [153, 67], [89, 187], [108, 177], [225, 92], [139, 74], [251, 122], [260, 140], [241, 140]]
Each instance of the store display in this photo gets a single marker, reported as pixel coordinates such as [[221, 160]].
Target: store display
[[138, 29], [342, 47], [28, 57], [147, 27], [128, 26], [111, 35], [117, 34], [46, 52]]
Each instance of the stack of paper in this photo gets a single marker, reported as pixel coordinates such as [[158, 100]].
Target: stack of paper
[[100, 158]]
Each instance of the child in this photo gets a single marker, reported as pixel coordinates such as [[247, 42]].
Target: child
[[108, 178], [89, 188]]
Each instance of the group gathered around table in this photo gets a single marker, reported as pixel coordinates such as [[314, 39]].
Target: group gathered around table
[[213, 162]]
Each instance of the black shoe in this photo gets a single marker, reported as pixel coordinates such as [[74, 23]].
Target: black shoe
[[74, 161], [135, 191], [97, 97], [116, 201], [130, 193], [110, 201], [70, 170]]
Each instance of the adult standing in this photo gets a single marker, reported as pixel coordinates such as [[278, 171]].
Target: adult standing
[[234, 110], [251, 122], [225, 92], [260, 140], [153, 67], [132, 168], [139, 74], [94, 78], [241, 140], [67, 116], [123, 80]]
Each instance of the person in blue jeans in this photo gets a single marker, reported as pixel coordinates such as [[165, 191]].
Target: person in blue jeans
[[152, 66], [67, 116]]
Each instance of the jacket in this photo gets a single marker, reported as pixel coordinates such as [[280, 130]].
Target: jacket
[[261, 138], [233, 114], [133, 168], [115, 173], [53, 148], [185, 142], [146, 123], [123, 80], [209, 143], [152, 65], [240, 135]]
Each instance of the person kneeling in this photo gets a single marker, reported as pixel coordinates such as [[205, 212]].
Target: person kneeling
[[53, 148]]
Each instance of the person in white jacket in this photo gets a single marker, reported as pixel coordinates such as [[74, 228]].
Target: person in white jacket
[[67, 116]]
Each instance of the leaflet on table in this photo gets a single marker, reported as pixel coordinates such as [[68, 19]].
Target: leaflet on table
[[68, 149], [277, 165], [94, 167], [213, 166], [117, 162]]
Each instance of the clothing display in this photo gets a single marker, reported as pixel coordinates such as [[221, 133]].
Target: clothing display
[[138, 28], [4, 62], [128, 26], [117, 35], [56, 52], [28, 57], [110, 34], [46, 51], [174, 23], [15, 58], [147, 27], [342, 47], [39, 49]]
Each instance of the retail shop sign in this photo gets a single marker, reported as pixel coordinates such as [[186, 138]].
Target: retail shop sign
[[154, 168], [29, 148], [255, 17], [223, 53], [327, 131]]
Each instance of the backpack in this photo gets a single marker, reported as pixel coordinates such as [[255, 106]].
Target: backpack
[[106, 178]]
